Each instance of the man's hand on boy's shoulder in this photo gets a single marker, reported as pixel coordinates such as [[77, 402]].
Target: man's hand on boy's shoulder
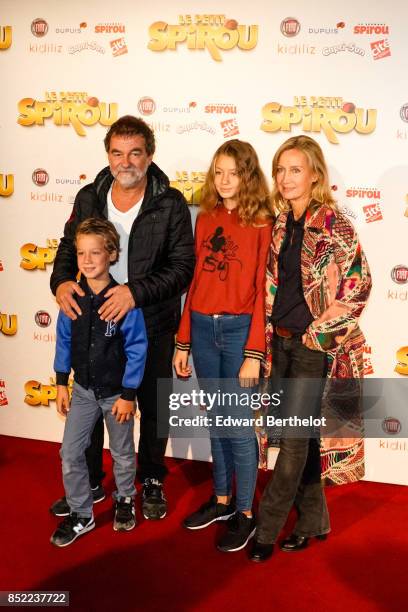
[[120, 301], [62, 400], [66, 300], [123, 410]]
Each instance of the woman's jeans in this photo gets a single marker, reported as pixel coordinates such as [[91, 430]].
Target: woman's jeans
[[217, 344], [296, 477]]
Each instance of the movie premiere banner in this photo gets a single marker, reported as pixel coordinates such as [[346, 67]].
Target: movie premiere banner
[[199, 73]]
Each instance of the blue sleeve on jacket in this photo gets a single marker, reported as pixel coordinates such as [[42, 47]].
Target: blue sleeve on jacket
[[135, 345], [62, 361]]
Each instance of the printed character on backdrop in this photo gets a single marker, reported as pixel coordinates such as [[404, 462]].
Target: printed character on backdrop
[[318, 283], [108, 359], [155, 268], [223, 322]]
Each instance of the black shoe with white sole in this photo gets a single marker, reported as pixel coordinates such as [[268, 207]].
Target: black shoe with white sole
[[125, 519], [61, 508], [154, 503], [208, 513], [240, 529], [71, 528]]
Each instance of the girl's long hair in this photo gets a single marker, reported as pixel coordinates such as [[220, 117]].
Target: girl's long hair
[[253, 197], [321, 191]]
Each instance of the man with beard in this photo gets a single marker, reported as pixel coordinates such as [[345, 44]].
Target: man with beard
[[155, 267]]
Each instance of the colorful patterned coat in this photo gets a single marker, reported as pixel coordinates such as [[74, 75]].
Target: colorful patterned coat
[[336, 282]]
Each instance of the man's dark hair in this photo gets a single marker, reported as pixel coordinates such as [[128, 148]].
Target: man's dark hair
[[131, 126]]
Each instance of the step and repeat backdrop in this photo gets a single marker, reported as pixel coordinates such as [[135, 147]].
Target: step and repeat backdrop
[[199, 73]]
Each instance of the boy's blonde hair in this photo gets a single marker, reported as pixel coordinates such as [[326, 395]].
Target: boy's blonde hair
[[100, 227]]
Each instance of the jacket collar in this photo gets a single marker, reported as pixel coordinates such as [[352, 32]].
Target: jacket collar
[[320, 219], [83, 283]]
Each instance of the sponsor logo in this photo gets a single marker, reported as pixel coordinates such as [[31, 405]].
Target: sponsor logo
[[190, 184], [71, 29], [367, 365], [348, 212], [67, 108], [86, 46], [70, 181], [229, 127], [46, 197], [8, 324], [220, 108], [118, 47], [290, 27], [146, 106], [48, 337], [39, 27], [212, 32], [328, 30], [402, 361], [40, 177], [350, 47], [398, 446], [6, 185], [158, 126], [397, 295], [404, 112], [391, 426], [39, 394], [33, 256], [6, 37], [399, 274], [45, 48], [329, 115], [42, 318], [110, 28], [296, 49], [363, 192], [372, 212], [3, 396], [195, 125], [1, 266], [371, 28], [380, 49]]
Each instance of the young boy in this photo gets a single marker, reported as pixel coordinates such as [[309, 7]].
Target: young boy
[[108, 360]]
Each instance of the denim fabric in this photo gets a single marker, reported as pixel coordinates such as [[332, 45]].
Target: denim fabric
[[296, 477], [217, 344], [84, 412]]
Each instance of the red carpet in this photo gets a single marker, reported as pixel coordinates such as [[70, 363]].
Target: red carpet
[[161, 566]]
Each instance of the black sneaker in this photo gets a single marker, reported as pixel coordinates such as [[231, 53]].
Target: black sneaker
[[61, 508], [124, 514], [154, 503], [71, 528], [208, 513], [240, 529]]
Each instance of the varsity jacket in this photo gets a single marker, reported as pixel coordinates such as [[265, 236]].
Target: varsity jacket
[[107, 357]]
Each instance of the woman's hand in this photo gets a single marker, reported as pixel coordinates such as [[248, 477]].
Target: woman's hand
[[180, 363], [308, 343], [249, 372]]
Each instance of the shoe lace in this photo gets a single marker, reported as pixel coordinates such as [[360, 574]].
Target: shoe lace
[[123, 510], [237, 521], [70, 521], [152, 488]]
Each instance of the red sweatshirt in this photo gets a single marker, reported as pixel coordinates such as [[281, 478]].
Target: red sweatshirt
[[229, 276]]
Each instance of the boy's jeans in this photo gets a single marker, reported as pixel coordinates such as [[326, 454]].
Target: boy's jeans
[[84, 412]]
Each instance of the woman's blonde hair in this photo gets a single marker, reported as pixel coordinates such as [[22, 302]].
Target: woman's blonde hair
[[321, 191], [254, 205]]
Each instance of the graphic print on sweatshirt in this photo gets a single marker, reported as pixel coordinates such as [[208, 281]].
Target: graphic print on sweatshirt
[[222, 253]]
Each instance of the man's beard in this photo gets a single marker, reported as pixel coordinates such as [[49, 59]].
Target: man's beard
[[129, 177]]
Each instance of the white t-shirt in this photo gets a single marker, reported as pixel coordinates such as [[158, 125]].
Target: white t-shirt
[[123, 222]]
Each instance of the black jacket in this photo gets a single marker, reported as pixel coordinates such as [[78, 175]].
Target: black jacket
[[161, 247], [105, 356]]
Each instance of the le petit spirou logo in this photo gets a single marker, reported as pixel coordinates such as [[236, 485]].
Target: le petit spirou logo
[[6, 37], [8, 324], [319, 114], [212, 32], [39, 394], [35, 257], [74, 108], [6, 185]]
